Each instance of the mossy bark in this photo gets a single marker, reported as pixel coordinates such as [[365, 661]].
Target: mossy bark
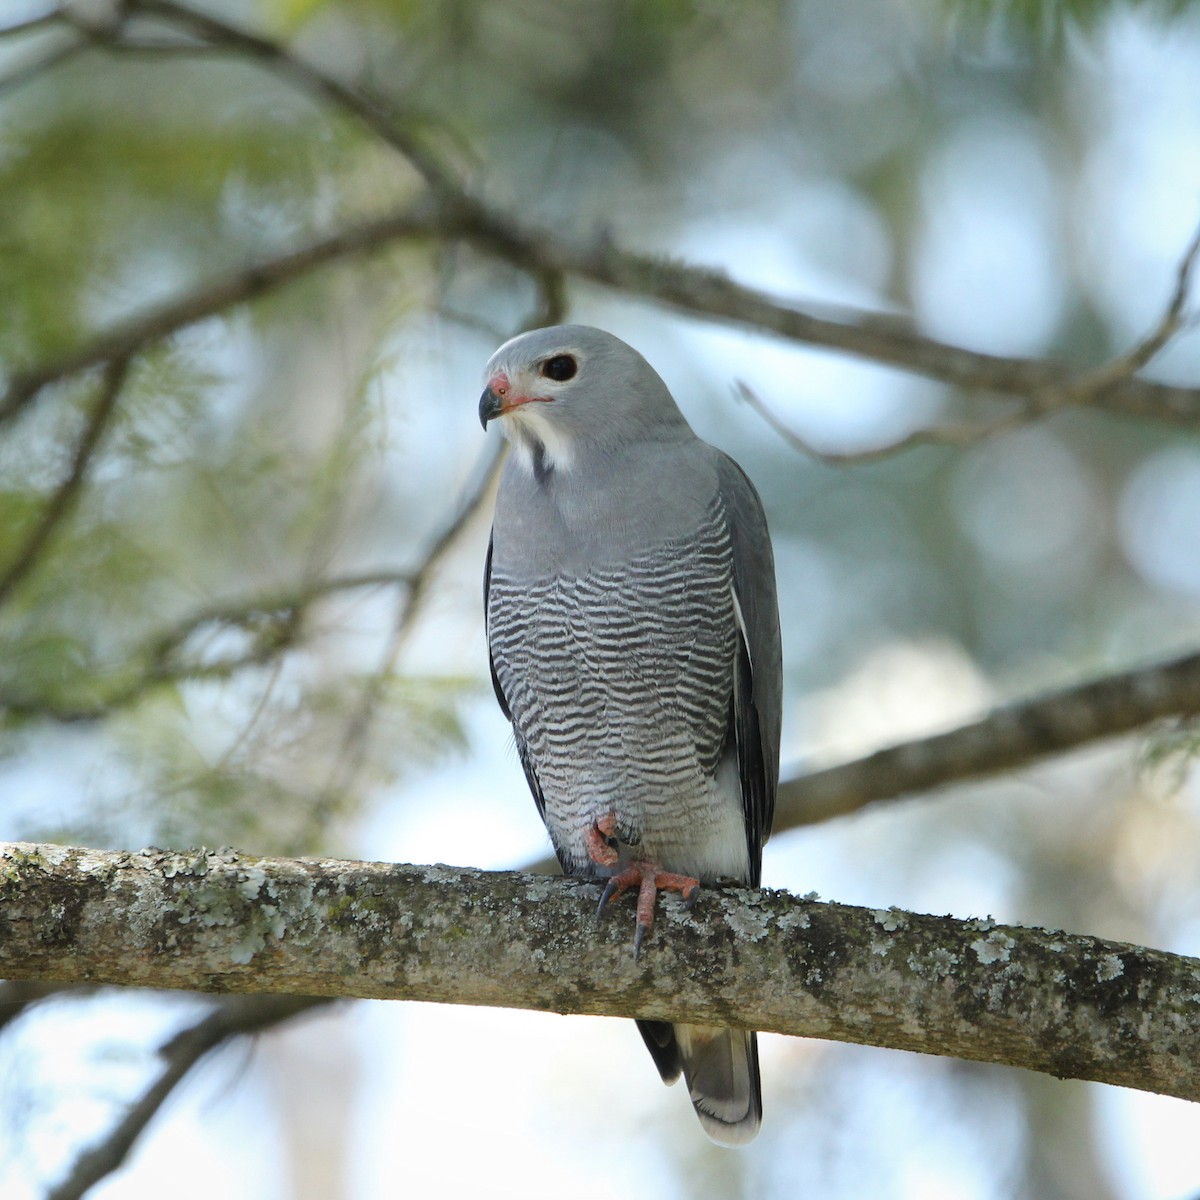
[[1071, 1006]]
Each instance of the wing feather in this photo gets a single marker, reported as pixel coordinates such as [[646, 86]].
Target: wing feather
[[757, 704], [527, 763]]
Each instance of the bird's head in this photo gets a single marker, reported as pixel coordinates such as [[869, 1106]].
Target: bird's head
[[570, 390]]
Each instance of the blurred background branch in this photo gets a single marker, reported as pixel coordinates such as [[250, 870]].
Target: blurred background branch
[[1007, 739], [67, 492], [693, 290], [239, 287], [453, 213], [234, 1017]]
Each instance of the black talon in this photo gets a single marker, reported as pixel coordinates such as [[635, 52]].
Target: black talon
[[609, 889], [690, 900], [639, 934]]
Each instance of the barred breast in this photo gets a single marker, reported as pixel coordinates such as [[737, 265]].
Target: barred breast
[[620, 681]]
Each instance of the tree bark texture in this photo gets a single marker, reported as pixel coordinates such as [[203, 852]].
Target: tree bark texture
[[1071, 1006]]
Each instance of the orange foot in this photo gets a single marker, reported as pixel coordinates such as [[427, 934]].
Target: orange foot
[[649, 878], [602, 842]]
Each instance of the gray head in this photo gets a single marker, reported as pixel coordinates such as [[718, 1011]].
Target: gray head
[[569, 390]]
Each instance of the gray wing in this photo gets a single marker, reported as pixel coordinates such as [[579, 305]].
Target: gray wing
[[757, 707], [522, 749], [722, 1065]]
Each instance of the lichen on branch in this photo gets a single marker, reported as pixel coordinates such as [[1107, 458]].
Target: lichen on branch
[[1071, 1006]]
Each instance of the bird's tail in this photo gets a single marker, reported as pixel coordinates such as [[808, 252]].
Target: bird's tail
[[721, 1069]]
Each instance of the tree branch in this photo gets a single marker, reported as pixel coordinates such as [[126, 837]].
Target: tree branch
[[46, 20], [1085, 389], [361, 720], [272, 620], [692, 290], [1007, 738], [451, 213], [882, 338], [697, 291], [1071, 1006], [34, 68], [67, 492], [956, 436], [1125, 366], [234, 1016], [374, 114], [142, 330]]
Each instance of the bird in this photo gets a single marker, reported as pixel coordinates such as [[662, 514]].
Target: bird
[[633, 636]]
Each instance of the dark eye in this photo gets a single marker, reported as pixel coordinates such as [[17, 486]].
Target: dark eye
[[560, 368]]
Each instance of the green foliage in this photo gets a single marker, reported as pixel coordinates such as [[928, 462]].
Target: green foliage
[[1171, 751], [1045, 24], [224, 471], [262, 764]]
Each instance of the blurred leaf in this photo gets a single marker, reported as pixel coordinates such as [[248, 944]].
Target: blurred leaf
[[290, 15], [1171, 749], [1046, 24]]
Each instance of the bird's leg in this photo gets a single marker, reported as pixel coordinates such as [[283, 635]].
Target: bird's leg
[[650, 878], [602, 841]]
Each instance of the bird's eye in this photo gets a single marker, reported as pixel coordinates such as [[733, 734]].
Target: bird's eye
[[560, 368]]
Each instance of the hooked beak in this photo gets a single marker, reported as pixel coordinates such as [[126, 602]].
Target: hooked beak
[[497, 399], [490, 405]]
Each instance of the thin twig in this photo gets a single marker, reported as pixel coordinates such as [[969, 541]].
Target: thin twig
[[361, 721], [1173, 319], [272, 618], [26, 72], [217, 296], [1040, 403], [232, 1016], [147, 48], [700, 292], [67, 492], [937, 435], [47, 20], [286, 603], [374, 113]]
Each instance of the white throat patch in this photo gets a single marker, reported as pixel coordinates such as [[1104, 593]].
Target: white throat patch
[[526, 428]]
